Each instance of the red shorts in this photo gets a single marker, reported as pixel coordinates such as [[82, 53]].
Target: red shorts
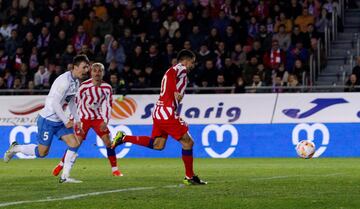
[[94, 124], [174, 126]]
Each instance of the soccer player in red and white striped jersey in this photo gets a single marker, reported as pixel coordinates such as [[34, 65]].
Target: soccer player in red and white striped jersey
[[94, 103], [165, 119]]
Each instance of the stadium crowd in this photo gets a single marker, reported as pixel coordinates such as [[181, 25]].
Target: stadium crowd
[[238, 43]]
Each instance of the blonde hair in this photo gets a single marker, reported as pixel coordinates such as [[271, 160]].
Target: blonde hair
[[98, 65]]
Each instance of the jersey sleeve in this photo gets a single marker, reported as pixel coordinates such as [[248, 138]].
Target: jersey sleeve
[[181, 82], [107, 104], [57, 96], [73, 109]]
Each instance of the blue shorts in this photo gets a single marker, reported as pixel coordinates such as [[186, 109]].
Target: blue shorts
[[48, 129]]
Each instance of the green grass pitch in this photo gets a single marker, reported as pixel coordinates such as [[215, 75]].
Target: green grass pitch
[[156, 183]]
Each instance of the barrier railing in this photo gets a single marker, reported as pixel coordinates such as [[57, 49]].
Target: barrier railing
[[201, 90], [327, 40]]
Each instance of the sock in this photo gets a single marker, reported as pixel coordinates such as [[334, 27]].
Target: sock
[[112, 158], [69, 160], [27, 149], [140, 140], [187, 157]]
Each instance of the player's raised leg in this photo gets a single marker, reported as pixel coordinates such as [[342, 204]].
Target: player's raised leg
[[45, 134], [122, 138]]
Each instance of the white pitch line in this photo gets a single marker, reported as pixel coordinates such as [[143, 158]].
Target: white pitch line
[[293, 176], [72, 197]]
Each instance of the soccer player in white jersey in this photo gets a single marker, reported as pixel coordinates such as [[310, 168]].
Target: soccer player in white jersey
[[94, 103], [53, 122]]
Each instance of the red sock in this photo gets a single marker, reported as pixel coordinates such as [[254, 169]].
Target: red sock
[[112, 160], [140, 140], [112, 157], [62, 159], [187, 157]]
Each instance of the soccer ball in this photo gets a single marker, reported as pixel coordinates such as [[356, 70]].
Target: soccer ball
[[305, 149]]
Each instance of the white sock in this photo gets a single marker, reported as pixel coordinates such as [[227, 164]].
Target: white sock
[[114, 169], [27, 149], [69, 161]]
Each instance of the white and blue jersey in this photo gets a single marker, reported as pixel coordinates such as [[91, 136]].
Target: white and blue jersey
[[52, 119]]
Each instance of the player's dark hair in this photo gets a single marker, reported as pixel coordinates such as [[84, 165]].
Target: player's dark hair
[[185, 54], [79, 59]]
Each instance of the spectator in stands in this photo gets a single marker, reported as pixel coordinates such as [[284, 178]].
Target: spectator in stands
[[2, 83], [352, 83], [321, 22], [205, 54], [67, 56], [304, 20], [238, 56], [256, 84], [101, 55], [274, 57], [24, 75], [43, 42], [294, 9], [220, 83], [253, 29], [356, 69], [310, 34], [28, 44], [282, 20], [296, 36], [264, 37], [17, 83], [3, 60], [171, 25], [12, 44], [239, 86], [283, 38], [80, 38], [9, 78], [41, 79], [230, 71], [33, 60], [250, 69], [256, 51], [221, 23], [293, 83], [196, 38], [209, 73], [282, 73], [313, 7], [116, 52], [31, 87], [278, 85], [104, 26], [298, 52], [299, 69]]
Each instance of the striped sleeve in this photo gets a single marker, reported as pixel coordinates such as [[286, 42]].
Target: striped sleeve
[[181, 81], [108, 103]]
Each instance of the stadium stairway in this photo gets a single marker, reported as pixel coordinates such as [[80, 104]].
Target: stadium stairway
[[338, 61]]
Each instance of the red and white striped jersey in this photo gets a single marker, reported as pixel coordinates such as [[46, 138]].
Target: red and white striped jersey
[[174, 80], [94, 102]]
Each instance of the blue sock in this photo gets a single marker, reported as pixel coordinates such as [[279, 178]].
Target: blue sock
[[74, 149], [110, 152]]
